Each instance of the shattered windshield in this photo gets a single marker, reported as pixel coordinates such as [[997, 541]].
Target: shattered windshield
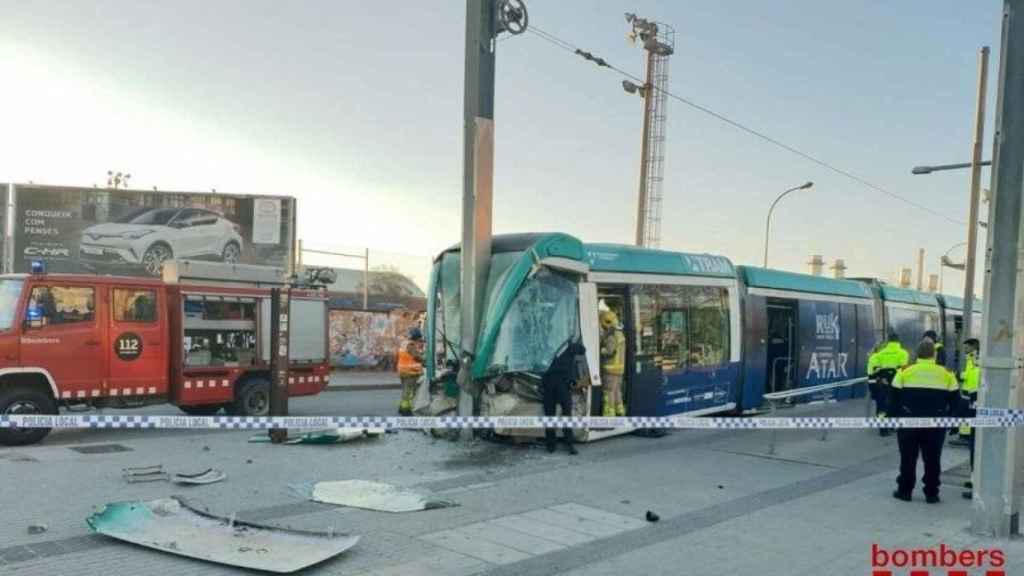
[[10, 290], [447, 309], [543, 316], [447, 298]]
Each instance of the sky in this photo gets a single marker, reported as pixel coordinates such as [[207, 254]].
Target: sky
[[355, 108]]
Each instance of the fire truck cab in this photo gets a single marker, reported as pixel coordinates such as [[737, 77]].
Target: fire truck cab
[[199, 339]]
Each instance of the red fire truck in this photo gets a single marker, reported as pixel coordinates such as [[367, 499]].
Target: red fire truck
[[199, 339]]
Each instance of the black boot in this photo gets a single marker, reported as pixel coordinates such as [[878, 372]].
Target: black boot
[[902, 496]]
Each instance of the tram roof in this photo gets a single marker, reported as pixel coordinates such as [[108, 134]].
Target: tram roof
[[957, 303], [908, 296], [794, 282], [637, 260], [522, 241]]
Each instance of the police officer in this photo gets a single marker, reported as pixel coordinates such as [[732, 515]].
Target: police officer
[[557, 383], [969, 380], [940, 350], [922, 390], [882, 367]]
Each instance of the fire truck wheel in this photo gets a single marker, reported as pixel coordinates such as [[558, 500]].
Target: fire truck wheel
[[21, 400], [203, 410], [252, 398]]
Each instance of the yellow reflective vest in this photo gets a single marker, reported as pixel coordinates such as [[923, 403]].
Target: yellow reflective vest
[[923, 389], [892, 356], [971, 376]]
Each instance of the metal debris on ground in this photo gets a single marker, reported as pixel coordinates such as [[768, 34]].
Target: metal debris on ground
[[375, 496], [208, 476], [145, 474], [37, 528], [176, 526], [333, 436]]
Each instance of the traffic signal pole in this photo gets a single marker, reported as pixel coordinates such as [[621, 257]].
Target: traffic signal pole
[[477, 178], [484, 20]]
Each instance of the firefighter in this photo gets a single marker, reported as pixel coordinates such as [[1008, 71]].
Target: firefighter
[[882, 368], [613, 363], [410, 368], [969, 380], [922, 390]]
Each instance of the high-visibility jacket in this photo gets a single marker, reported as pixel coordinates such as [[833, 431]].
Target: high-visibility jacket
[[613, 352], [409, 364], [892, 356], [924, 389], [971, 376]]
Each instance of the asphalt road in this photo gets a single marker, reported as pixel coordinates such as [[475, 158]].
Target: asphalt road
[[333, 402]]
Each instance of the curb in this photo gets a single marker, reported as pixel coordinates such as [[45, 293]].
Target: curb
[[362, 387]]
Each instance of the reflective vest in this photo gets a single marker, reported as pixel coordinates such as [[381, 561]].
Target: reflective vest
[[613, 348], [971, 376], [924, 389], [891, 357], [408, 365]]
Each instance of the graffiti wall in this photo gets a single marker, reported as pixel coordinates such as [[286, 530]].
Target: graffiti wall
[[368, 340]]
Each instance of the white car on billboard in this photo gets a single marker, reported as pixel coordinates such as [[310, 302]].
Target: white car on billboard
[[149, 237]]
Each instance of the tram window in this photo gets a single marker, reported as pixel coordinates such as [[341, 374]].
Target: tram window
[[684, 326], [709, 327], [910, 324]]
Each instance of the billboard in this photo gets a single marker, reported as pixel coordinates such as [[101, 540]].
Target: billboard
[[133, 232]]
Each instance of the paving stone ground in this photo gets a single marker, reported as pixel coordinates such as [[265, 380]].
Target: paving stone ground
[[726, 505]]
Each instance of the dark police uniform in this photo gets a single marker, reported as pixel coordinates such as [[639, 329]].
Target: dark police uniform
[[557, 384], [922, 390]]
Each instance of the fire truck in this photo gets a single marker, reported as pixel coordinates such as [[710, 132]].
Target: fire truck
[[198, 338]]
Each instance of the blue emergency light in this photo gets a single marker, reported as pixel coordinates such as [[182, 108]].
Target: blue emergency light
[[38, 267]]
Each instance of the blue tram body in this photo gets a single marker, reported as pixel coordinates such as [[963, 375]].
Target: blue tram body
[[802, 331], [702, 336]]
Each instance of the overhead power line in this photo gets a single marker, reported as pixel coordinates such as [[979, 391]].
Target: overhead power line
[[601, 62]]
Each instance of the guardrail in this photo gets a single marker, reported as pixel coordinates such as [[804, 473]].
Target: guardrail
[[775, 397]]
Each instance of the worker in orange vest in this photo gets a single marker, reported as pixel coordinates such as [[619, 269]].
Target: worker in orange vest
[[410, 368]]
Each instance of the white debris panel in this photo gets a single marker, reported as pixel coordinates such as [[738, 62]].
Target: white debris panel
[[375, 496]]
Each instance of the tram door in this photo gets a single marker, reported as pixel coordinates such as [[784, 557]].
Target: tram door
[[781, 353]]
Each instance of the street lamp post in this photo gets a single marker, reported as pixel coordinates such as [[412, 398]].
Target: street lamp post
[[945, 262], [768, 220]]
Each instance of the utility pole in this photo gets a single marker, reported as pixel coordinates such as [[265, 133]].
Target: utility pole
[[280, 319], [658, 40], [996, 492], [972, 221], [484, 20]]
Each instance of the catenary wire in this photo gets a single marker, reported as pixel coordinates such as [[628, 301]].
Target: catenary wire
[[569, 47]]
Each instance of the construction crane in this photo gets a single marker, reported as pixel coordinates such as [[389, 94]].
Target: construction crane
[[658, 39]]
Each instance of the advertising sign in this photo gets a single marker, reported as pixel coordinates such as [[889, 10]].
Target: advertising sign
[[134, 232], [826, 359]]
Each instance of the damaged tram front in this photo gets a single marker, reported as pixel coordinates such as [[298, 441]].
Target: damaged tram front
[[546, 290]]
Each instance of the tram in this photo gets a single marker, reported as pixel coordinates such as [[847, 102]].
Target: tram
[[702, 336]]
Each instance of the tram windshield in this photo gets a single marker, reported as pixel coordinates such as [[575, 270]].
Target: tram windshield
[[448, 301], [543, 317]]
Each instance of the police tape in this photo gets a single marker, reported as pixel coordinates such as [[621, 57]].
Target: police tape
[[991, 419]]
